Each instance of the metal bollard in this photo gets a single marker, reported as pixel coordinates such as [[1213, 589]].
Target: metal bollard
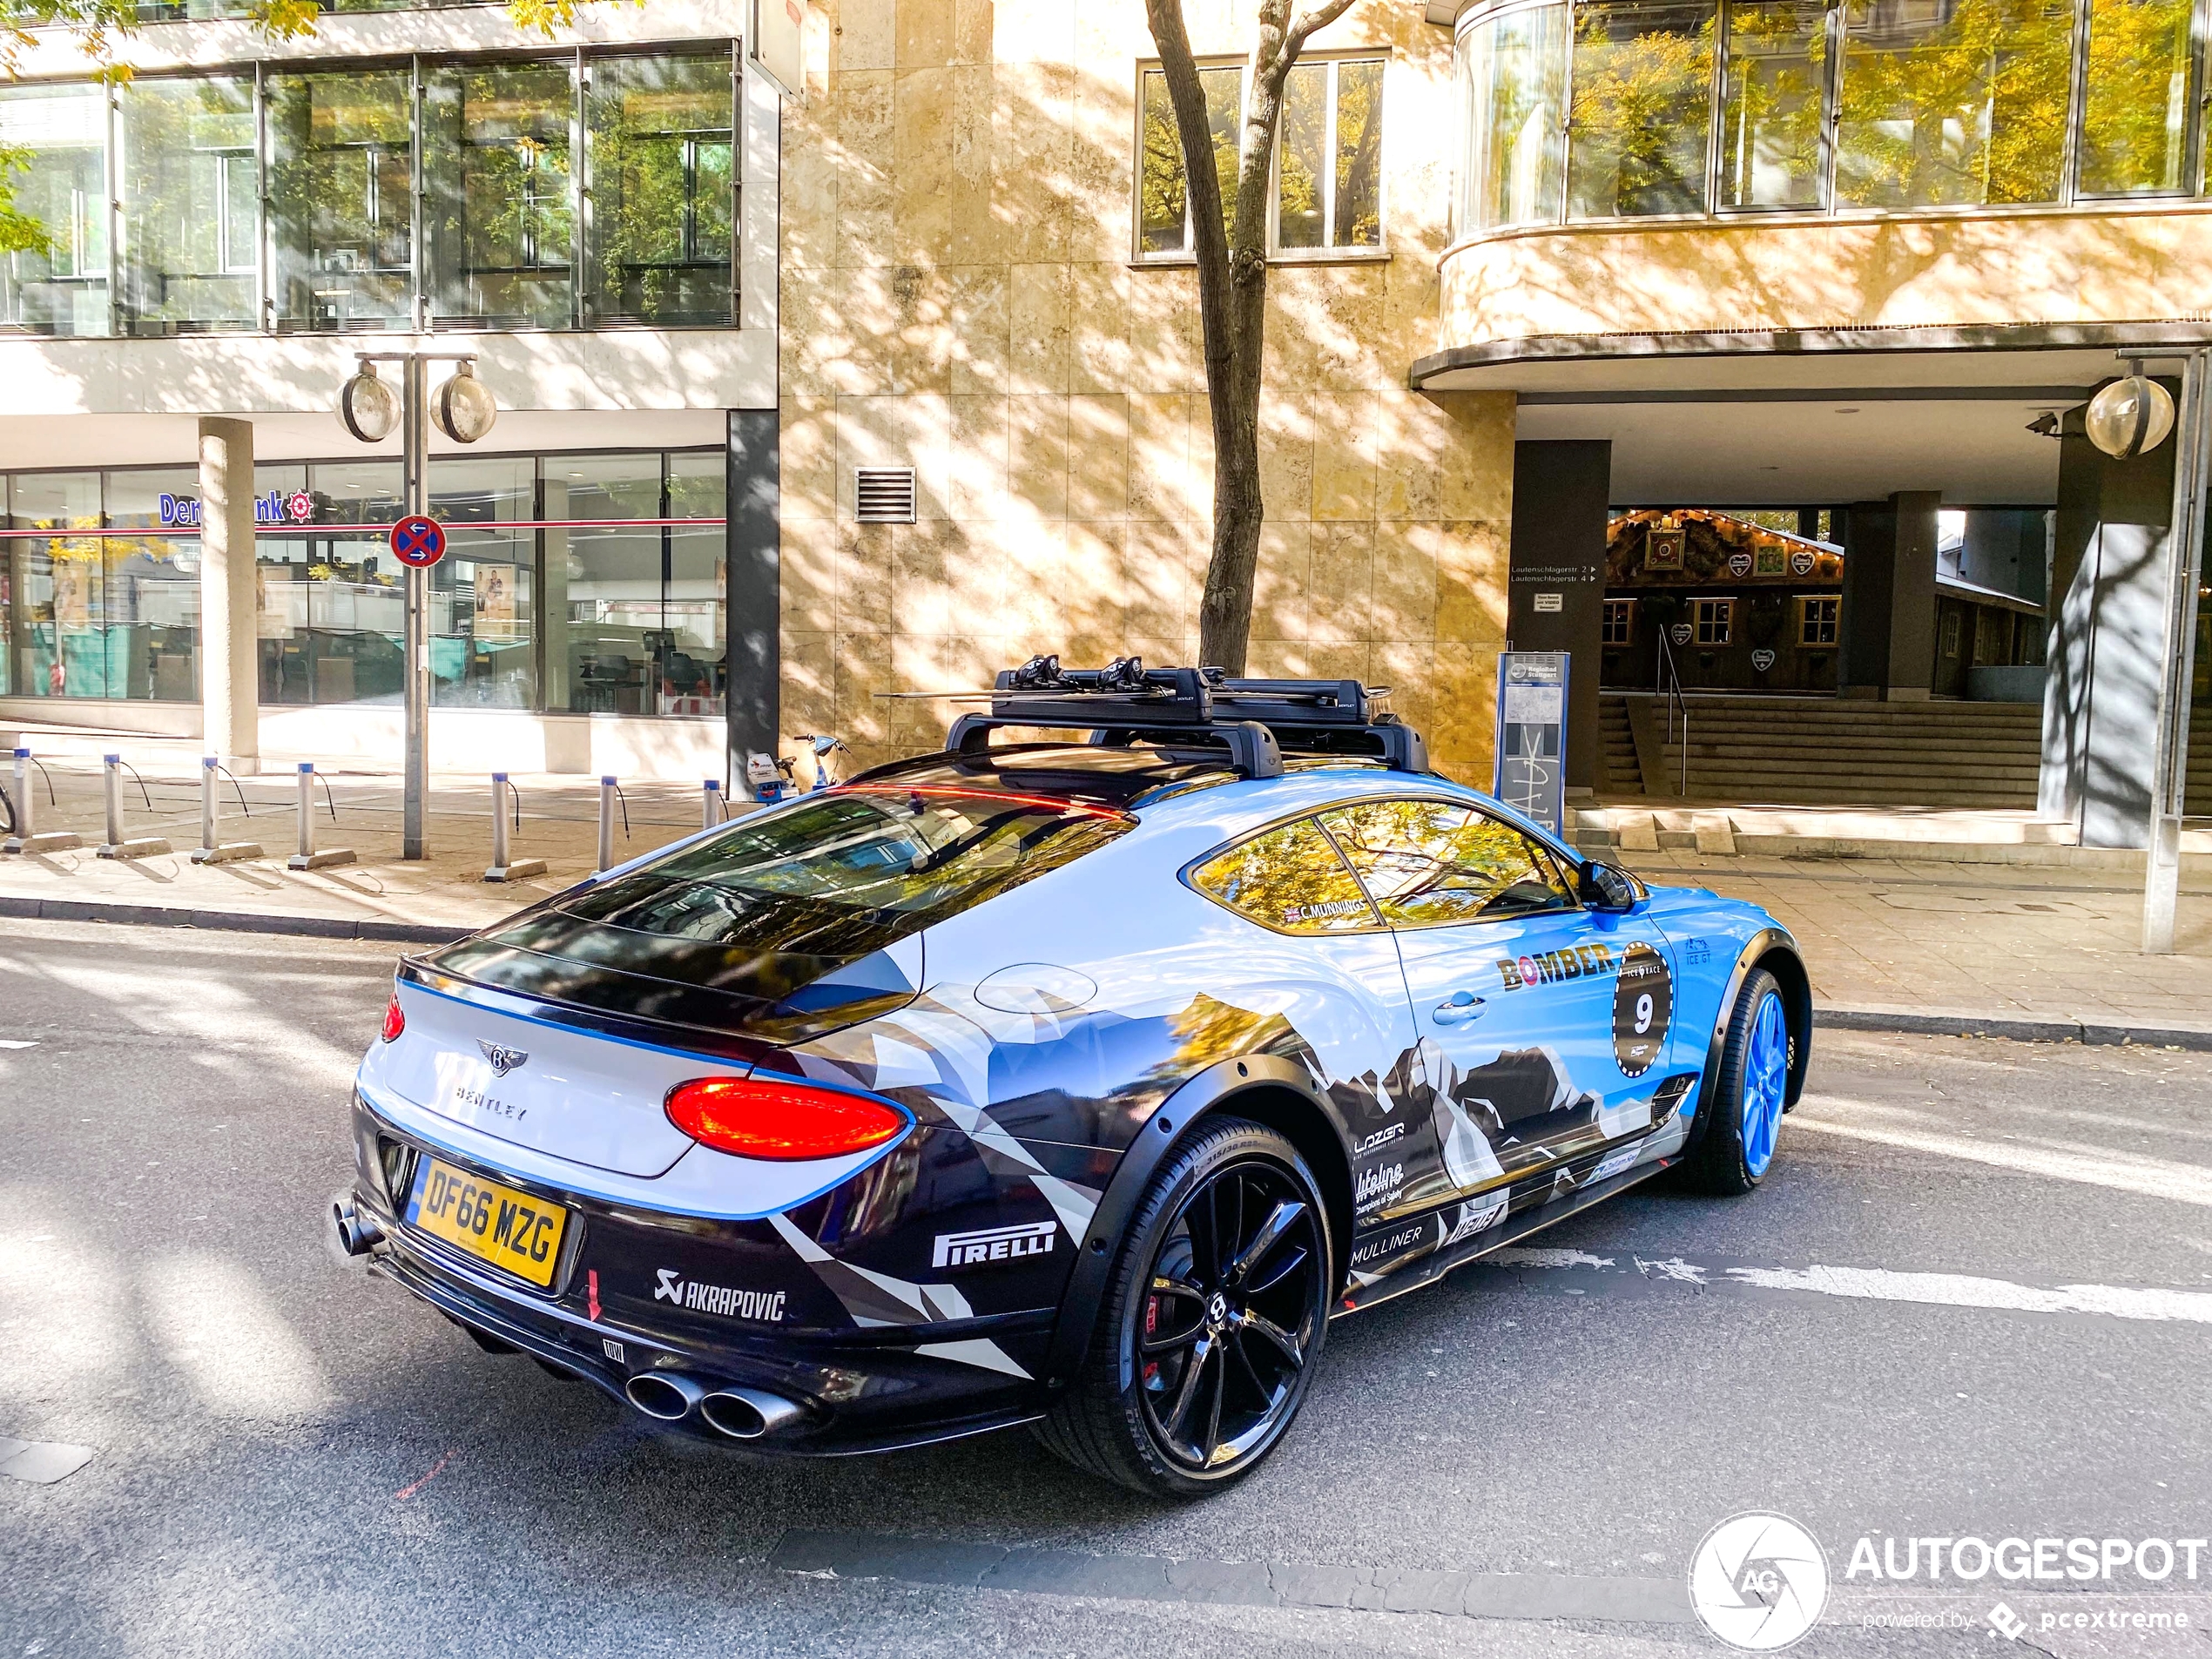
[[308, 858], [26, 840], [503, 868], [211, 851], [115, 847], [712, 809], [606, 825]]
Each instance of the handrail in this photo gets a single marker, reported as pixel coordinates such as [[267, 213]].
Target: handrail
[[1667, 681]]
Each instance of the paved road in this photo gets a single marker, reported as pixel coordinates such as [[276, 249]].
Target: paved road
[[291, 1459]]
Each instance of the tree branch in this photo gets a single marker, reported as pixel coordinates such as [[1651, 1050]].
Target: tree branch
[[1310, 22]]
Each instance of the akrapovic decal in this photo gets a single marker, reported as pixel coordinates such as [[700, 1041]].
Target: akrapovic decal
[[1643, 1003]]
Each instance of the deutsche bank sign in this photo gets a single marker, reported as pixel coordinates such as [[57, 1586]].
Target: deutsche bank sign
[[182, 512]]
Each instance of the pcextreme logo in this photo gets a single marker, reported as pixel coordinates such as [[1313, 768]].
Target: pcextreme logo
[[1758, 1581]]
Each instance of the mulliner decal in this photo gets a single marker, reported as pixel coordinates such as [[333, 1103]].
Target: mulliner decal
[[1643, 1006]]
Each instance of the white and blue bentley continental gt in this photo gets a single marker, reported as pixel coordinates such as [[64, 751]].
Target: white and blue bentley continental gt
[[1078, 1084]]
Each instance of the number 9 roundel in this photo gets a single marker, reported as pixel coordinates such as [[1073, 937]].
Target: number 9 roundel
[[1643, 1006]]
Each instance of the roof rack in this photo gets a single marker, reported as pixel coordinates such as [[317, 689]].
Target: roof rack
[[1254, 720]]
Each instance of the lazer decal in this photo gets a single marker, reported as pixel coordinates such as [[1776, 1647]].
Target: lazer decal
[[993, 1244], [766, 1307], [1643, 1004]]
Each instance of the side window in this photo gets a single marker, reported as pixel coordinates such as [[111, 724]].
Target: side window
[[1289, 879], [1433, 862]]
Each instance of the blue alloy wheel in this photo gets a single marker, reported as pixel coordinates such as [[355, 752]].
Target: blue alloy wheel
[[1766, 1080]]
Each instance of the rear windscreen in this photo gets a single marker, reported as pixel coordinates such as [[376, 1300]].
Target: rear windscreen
[[775, 925]]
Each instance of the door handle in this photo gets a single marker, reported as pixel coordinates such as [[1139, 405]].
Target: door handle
[[1457, 1008]]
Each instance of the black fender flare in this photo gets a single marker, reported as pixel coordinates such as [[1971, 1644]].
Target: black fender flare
[[1204, 1093], [1774, 949]]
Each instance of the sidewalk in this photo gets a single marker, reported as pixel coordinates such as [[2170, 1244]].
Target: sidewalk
[[2024, 950]]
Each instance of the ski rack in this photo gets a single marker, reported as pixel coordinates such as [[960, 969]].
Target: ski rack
[[1254, 720]]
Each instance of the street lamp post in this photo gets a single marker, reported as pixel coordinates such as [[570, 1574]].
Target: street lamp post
[[465, 410]]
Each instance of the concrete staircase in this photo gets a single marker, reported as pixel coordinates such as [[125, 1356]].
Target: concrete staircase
[[1830, 752]]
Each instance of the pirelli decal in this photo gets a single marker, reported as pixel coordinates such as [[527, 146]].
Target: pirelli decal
[[1582, 961]]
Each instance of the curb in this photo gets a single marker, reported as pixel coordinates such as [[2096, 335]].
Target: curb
[[154, 916], [2017, 1030], [1831, 1019]]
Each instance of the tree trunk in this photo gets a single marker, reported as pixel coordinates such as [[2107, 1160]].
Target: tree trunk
[[1232, 295]]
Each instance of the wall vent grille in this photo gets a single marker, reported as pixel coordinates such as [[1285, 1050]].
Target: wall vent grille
[[886, 495]]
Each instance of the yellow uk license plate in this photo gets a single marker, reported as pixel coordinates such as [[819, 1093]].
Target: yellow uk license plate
[[506, 1228]]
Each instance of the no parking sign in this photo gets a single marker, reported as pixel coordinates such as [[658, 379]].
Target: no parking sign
[[418, 543]]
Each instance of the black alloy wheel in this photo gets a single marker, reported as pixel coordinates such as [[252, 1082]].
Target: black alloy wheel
[[1214, 1323]]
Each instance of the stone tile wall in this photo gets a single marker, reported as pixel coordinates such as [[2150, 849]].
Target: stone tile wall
[[958, 295]]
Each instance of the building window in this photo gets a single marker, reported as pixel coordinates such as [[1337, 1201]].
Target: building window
[[1951, 630], [1711, 619], [2136, 99], [1817, 621], [59, 178], [1328, 167], [1328, 173], [1953, 105], [190, 186], [482, 610], [1643, 76], [342, 199], [660, 134], [499, 213], [1512, 79], [1618, 626], [1163, 201], [1771, 104]]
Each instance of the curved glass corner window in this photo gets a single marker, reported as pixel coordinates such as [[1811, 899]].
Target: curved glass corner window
[[189, 183], [664, 190], [499, 213], [1513, 78], [2135, 98], [1643, 75], [1953, 105], [1771, 102], [53, 154], [342, 188]]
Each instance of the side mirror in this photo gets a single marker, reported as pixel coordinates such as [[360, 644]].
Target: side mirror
[[1609, 887]]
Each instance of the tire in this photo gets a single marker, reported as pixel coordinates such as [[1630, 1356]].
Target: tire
[[1735, 1148], [1217, 1362]]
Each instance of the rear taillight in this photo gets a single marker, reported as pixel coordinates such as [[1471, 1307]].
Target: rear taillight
[[395, 1022], [781, 1118]]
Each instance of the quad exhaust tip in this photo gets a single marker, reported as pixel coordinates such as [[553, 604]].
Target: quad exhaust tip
[[667, 1395], [357, 1234], [740, 1413], [747, 1414]]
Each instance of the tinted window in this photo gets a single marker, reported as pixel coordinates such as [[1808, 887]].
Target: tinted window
[[1429, 862], [1289, 879], [776, 925]]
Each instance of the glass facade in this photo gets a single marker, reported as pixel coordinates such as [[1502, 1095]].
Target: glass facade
[[329, 200], [586, 583], [1729, 107], [189, 177]]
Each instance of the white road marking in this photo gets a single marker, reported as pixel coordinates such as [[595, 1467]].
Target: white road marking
[[1877, 1284], [13, 1042], [2093, 1166]]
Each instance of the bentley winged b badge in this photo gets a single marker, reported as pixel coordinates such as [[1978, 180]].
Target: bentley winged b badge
[[503, 1059]]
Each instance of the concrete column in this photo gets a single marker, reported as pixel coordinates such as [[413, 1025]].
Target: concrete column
[[754, 587], [229, 684], [1555, 596], [2108, 576], [1889, 610]]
